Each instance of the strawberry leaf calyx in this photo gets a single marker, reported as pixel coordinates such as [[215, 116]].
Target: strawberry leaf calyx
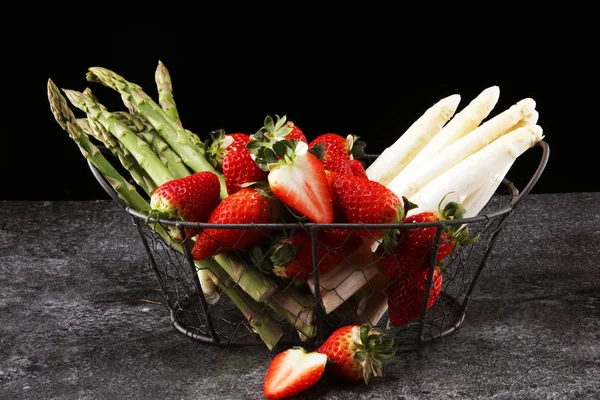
[[318, 150], [356, 148], [373, 348], [216, 147], [272, 131]]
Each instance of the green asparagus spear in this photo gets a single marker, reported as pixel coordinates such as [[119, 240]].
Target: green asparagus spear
[[177, 137], [140, 150], [266, 327], [138, 125], [96, 130], [165, 92], [66, 119]]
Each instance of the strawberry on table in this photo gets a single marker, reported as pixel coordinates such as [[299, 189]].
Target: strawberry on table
[[292, 372], [228, 153], [191, 198], [357, 352], [296, 177], [406, 295], [246, 206]]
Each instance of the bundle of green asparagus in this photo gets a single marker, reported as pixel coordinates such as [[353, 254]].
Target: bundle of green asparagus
[[149, 142]]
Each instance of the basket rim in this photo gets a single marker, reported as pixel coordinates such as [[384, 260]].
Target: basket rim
[[515, 198]]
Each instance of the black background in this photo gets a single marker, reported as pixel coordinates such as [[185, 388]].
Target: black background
[[365, 69]]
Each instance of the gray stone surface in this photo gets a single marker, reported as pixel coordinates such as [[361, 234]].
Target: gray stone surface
[[80, 319]]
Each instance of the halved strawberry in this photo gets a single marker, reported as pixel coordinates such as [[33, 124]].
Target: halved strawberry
[[246, 206], [293, 371], [296, 177]]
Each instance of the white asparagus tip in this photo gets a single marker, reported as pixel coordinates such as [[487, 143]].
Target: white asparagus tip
[[449, 105], [528, 105]]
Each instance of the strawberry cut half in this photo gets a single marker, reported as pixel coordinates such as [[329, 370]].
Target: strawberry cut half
[[293, 371]]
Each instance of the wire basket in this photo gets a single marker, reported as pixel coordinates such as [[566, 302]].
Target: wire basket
[[339, 302]]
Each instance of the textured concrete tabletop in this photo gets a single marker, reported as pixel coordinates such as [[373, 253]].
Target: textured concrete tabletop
[[81, 316]]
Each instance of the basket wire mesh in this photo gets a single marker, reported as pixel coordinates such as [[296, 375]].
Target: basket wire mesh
[[221, 322]]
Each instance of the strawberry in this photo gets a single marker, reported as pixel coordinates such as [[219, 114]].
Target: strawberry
[[296, 177], [191, 198], [358, 169], [292, 256], [296, 133], [228, 153], [414, 248], [293, 371], [246, 206], [407, 293], [366, 201], [339, 151], [357, 352]]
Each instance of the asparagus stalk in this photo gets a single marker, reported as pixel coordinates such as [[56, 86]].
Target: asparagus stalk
[[66, 119], [140, 150], [462, 123], [140, 126], [464, 146], [94, 129], [460, 181], [177, 137], [396, 157], [251, 280], [165, 92], [266, 327]]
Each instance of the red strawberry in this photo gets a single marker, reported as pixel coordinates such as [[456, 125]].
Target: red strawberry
[[292, 257], [296, 177], [357, 352], [407, 293], [358, 169], [228, 153], [338, 151], [414, 247], [246, 206], [191, 198], [366, 201], [293, 371], [296, 133]]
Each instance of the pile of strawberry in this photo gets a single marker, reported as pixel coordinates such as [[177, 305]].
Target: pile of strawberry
[[275, 175], [350, 353]]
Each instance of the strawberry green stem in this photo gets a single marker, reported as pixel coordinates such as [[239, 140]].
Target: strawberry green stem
[[177, 137]]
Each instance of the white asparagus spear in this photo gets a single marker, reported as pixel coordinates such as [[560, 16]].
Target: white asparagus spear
[[394, 158], [464, 122], [477, 200], [345, 279], [464, 147], [457, 183], [375, 301]]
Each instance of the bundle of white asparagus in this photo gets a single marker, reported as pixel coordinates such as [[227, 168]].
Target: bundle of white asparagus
[[442, 155]]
